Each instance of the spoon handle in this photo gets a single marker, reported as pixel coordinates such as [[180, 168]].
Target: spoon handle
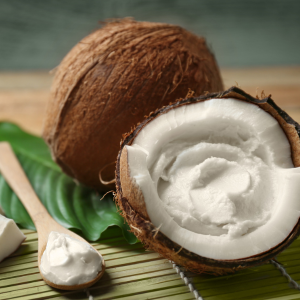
[[16, 178]]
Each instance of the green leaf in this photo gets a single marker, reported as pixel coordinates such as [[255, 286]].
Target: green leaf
[[74, 206]]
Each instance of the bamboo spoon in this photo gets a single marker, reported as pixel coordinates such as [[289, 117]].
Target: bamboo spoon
[[44, 223]]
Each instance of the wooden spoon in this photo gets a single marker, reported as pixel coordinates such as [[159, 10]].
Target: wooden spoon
[[44, 223]]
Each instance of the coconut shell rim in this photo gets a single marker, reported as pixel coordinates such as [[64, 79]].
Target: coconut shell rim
[[233, 92]]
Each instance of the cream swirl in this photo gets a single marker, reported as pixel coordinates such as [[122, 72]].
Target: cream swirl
[[215, 189]]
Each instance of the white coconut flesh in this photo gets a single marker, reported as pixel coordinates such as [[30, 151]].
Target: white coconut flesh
[[217, 178]]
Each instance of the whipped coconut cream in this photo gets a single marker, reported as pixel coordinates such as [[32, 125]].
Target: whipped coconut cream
[[11, 237], [68, 261], [217, 178]]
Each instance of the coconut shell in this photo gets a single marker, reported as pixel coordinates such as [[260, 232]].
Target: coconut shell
[[130, 199], [110, 80]]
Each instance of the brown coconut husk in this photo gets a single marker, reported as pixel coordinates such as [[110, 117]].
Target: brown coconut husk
[[130, 198], [110, 80]]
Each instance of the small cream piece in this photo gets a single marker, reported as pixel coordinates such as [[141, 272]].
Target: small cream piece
[[11, 237], [68, 261]]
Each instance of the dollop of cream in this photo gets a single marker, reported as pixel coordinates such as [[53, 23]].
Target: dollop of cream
[[68, 261], [217, 178], [214, 188]]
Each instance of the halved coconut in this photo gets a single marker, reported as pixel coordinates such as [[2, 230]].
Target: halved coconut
[[211, 182]]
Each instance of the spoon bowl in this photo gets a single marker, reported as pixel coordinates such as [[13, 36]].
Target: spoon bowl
[[45, 230], [44, 223]]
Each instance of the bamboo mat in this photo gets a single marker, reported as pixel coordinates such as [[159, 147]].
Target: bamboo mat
[[136, 274]]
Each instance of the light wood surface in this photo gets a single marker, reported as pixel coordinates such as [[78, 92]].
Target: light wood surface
[[23, 95], [13, 173]]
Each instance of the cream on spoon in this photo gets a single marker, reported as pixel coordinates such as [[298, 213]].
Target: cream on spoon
[[69, 261], [69, 251]]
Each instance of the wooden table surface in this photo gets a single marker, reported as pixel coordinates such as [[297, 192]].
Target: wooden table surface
[[23, 95]]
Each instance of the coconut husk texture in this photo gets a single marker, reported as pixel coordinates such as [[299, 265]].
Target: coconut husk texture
[[109, 81], [131, 202]]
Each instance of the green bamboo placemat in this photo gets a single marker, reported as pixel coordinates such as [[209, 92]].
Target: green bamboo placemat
[[134, 273]]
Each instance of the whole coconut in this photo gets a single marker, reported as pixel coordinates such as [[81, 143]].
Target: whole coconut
[[110, 80]]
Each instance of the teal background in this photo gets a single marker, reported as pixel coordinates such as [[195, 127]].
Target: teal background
[[36, 34]]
